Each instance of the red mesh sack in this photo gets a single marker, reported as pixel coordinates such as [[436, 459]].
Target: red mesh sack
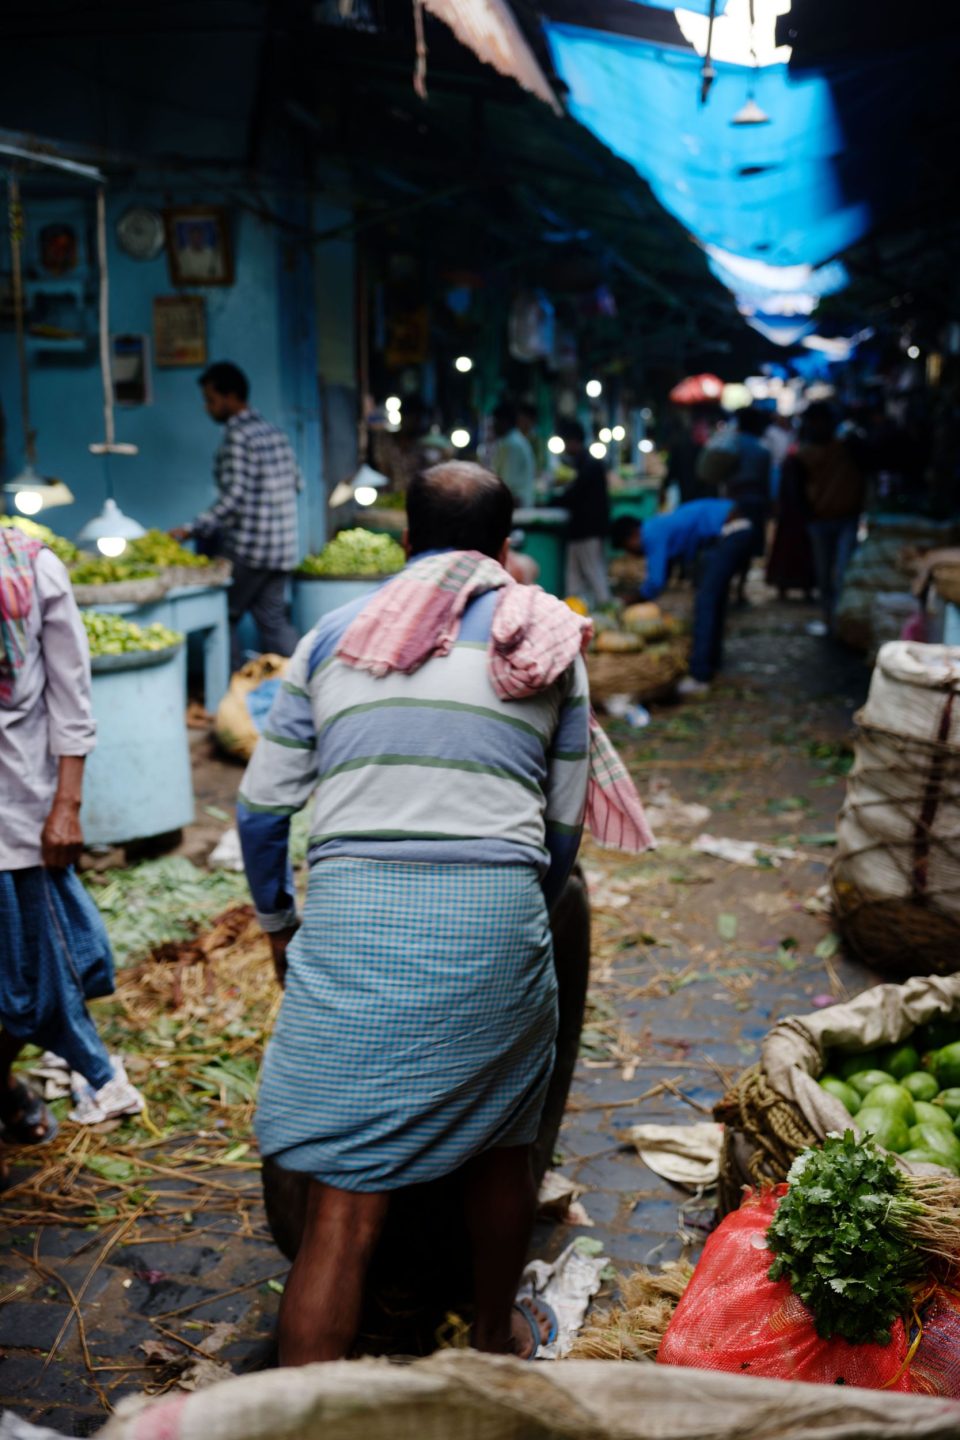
[[935, 1367], [733, 1318]]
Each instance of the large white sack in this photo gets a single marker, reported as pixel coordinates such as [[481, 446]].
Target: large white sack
[[459, 1395]]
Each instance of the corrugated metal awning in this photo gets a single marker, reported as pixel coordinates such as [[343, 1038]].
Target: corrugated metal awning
[[489, 29]]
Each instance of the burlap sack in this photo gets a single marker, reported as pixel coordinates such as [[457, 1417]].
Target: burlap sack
[[777, 1108], [458, 1395], [898, 835], [234, 728]]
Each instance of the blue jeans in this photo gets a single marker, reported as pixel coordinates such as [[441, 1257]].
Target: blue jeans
[[833, 541], [717, 567]]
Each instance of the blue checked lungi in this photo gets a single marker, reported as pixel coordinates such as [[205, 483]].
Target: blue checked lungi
[[418, 1022], [54, 955]]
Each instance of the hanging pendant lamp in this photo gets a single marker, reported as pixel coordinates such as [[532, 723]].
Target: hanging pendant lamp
[[111, 529]]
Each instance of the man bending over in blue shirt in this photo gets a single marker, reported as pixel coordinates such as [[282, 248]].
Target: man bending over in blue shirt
[[713, 536]]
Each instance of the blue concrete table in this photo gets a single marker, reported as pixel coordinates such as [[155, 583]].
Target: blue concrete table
[[316, 595], [138, 781], [191, 609]]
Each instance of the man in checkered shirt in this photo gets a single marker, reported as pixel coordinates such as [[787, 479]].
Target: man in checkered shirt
[[254, 519]]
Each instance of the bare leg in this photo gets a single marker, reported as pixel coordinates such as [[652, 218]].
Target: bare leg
[[320, 1311], [501, 1202]]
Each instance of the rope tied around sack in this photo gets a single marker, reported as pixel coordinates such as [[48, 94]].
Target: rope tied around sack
[[773, 1126]]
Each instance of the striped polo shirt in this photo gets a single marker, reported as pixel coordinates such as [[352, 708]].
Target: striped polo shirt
[[432, 766]]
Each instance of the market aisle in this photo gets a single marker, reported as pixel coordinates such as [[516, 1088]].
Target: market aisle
[[694, 958]]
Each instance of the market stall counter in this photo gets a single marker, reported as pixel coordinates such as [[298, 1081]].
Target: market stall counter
[[138, 779], [545, 541]]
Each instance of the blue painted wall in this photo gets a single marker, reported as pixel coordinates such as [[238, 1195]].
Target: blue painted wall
[[264, 322]]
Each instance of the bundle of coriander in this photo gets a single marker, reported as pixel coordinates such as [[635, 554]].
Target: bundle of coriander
[[854, 1232]]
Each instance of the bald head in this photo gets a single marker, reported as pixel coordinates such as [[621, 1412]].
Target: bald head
[[458, 506]]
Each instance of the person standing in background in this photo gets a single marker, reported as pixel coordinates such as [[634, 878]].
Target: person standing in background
[[513, 459], [835, 487], [588, 501], [253, 522]]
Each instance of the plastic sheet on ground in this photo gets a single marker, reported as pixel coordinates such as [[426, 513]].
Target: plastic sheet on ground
[[479, 1397], [685, 1154], [743, 852], [568, 1285]]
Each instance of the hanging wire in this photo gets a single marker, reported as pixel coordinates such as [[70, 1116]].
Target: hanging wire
[[16, 251], [708, 71]]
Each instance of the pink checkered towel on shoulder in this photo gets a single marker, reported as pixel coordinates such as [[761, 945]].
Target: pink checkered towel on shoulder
[[534, 639]]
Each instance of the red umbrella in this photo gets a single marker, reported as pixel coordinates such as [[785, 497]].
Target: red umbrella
[[697, 390]]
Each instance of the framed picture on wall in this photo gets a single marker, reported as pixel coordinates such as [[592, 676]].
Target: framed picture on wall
[[179, 331], [130, 368], [198, 245]]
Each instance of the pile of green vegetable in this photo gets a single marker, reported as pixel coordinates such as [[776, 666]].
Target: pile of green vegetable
[[356, 552], [844, 1237], [159, 548], [906, 1096], [64, 550], [112, 635], [99, 570]]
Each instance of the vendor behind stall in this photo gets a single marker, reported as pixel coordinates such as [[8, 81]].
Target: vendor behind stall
[[710, 536], [54, 951], [254, 520], [588, 501]]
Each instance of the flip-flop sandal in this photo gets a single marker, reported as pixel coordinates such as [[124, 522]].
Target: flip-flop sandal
[[30, 1112], [525, 1307]]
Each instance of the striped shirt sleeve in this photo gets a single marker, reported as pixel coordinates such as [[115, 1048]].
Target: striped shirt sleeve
[[278, 782], [567, 776]]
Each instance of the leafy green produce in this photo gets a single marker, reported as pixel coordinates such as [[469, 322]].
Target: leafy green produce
[[900, 1060], [99, 570], [892, 1097], [159, 548], [866, 1080], [928, 1114], [356, 552], [113, 635], [842, 1238], [888, 1128], [841, 1091], [944, 1065], [64, 550], [922, 1086], [949, 1099]]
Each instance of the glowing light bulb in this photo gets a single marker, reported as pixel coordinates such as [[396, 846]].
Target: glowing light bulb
[[913, 352], [365, 494], [464, 364], [112, 546], [555, 445], [646, 446], [28, 502], [392, 402], [594, 389], [597, 450], [619, 433], [460, 438], [606, 435]]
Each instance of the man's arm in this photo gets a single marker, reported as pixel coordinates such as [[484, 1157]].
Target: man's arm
[[568, 772], [235, 481], [278, 782]]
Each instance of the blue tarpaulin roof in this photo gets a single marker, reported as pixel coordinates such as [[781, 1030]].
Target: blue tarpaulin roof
[[769, 193]]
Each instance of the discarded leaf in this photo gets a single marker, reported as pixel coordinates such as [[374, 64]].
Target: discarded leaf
[[828, 946], [727, 926]]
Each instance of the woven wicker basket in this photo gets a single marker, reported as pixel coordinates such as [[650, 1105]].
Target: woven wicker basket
[[899, 937], [646, 675]]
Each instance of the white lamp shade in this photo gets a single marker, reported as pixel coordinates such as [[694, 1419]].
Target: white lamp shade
[[110, 524], [47, 492]]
